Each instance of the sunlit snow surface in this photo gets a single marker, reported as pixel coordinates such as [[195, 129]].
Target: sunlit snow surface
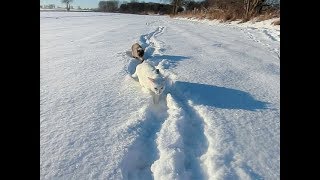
[[218, 119]]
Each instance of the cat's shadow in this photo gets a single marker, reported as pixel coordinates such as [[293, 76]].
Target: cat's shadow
[[132, 66], [168, 61], [219, 97]]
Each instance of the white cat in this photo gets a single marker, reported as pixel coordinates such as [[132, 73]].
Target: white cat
[[150, 78]]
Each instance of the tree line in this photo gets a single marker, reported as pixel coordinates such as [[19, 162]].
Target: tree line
[[228, 9], [242, 8], [134, 7]]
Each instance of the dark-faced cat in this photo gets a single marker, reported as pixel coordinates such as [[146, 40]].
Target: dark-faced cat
[[137, 52]]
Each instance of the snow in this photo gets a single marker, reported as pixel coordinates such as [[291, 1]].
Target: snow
[[219, 117], [265, 24]]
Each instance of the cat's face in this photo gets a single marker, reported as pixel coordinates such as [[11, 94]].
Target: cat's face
[[140, 52], [158, 89], [158, 85]]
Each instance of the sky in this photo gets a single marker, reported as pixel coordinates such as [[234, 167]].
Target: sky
[[85, 3]]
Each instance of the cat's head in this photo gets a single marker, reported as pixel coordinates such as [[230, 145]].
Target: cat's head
[[140, 52], [158, 85]]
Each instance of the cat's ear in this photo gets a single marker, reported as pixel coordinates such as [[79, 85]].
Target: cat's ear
[[152, 80], [165, 78]]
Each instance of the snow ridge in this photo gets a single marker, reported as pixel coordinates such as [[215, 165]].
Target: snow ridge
[[180, 142], [170, 164], [151, 45], [142, 152]]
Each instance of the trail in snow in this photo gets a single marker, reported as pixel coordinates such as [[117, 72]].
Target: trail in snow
[[205, 139], [177, 142], [143, 152], [183, 161], [221, 161], [140, 155], [263, 35], [150, 44], [180, 142]]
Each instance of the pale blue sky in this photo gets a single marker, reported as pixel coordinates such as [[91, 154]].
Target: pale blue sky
[[85, 3]]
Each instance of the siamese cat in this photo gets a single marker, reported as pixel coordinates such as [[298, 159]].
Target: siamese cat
[[150, 78], [137, 52]]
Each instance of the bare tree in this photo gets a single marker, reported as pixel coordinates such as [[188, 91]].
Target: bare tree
[[252, 6], [108, 6], [175, 4], [67, 2]]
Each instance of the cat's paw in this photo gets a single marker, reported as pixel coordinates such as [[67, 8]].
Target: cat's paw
[[134, 76]]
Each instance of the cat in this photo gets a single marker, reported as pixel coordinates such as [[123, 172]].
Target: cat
[[150, 78], [137, 52]]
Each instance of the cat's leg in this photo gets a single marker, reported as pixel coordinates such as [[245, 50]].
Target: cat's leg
[[155, 98], [134, 76], [143, 86]]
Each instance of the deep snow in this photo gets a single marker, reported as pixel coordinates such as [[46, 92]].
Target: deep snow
[[219, 117]]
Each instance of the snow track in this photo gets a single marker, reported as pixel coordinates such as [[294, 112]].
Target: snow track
[[143, 152], [181, 140], [264, 34], [149, 42]]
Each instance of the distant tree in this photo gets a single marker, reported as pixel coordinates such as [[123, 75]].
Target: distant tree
[[108, 6], [176, 5], [51, 6], [253, 6], [124, 8], [67, 2], [145, 8], [191, 4]]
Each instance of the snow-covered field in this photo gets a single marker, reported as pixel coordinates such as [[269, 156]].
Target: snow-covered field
[[219, 117], [64, 10], [253, 24]]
